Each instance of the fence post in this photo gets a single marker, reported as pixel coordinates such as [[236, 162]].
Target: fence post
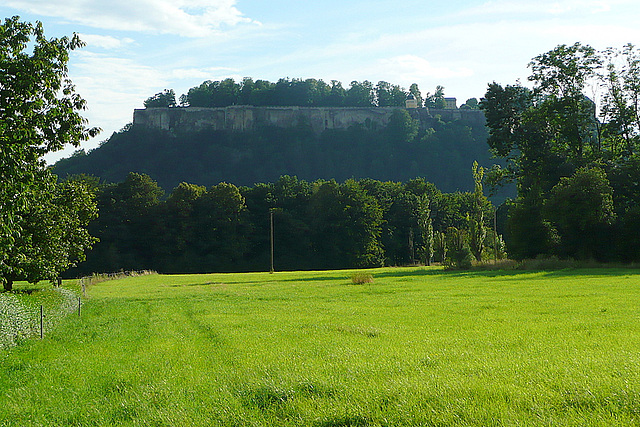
[[41, 322], [79, 304]]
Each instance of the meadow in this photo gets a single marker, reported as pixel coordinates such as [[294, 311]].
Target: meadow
[[417, 347]]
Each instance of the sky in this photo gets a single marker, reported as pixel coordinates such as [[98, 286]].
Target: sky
[[137, 48]]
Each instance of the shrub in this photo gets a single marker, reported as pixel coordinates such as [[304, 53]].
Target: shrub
[[459, 254]]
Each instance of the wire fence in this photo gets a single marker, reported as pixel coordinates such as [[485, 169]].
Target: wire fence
[[19, 321], [87, 281]]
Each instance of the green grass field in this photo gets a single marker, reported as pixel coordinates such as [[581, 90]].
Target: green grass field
[[417, 347]]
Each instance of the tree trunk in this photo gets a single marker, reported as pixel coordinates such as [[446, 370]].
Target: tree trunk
[[8, 285]]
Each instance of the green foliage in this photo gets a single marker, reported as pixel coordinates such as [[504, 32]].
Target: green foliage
[[619, 106], [415, 91], [40, 234], [388, 95], [574, 172], [425, 226], [290, 92], [476, 219], [529, 234], [127, 225], [470, 104], [301, 92], [346, 224], [402, 128], [166, 98], [440, 246], [581, 210], [459, 255], [435, 100]]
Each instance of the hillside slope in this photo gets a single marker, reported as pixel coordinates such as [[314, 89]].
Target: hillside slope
[[441, 153]]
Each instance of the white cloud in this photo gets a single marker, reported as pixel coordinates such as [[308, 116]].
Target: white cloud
[[105, 42], [550, 7], [208, 73], [414, 68], [187, 18], [112, 87]]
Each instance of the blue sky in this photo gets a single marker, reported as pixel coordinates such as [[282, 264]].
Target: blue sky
[[136, 48]]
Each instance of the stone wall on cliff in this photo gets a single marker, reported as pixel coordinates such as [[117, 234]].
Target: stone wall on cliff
[[244, 118]]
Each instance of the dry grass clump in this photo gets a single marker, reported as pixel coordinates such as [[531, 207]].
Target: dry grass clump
[[361, 278]]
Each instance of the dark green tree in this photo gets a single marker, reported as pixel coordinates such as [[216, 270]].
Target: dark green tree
[[289, 198], [218, 236], [620, 106], [166, 98], [346, 223], [415, 91], [581, 210], [529, 234], [477, 227], [128, 225], [401, 128], [360, 94], [470, 104], [435, 100], [425, 227], [459, 254], [440, 247], [389, 95], [178, 229]]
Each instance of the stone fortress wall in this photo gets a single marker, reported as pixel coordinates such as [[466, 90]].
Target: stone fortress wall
[[244, 118]]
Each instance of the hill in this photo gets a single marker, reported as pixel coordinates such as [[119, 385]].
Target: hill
[[400, 145]]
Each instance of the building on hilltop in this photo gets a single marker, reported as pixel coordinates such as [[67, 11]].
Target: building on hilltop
[[411, 101], [450, 104]]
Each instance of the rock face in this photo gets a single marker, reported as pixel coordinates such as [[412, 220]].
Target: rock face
[[243, 118]]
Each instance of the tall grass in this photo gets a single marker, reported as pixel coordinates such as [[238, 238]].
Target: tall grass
[[417, 346], [16, 322], [20, 313]]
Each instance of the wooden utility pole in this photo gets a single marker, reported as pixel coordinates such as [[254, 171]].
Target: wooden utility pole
[[495, 235], [271, 215]]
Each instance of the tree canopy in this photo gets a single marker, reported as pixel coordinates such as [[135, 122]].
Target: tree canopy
[[567, 142], [39, 113], [296, 92]]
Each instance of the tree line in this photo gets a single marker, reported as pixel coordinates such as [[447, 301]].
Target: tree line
[[317, 225], [299, 92], [572, 146]]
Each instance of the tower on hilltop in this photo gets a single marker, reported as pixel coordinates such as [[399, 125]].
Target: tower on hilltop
[[411, 101]]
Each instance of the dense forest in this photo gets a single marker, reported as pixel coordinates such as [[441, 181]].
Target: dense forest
[[317, 225], [400, 152]]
